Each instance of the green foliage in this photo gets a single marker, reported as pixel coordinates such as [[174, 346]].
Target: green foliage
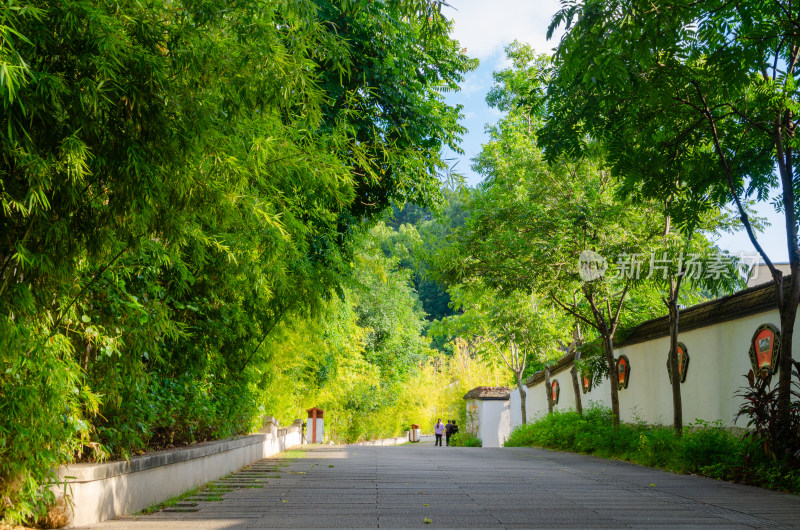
[[705, 448], [781, 442], [401, 62], [430, 231], [465, 439], [44, 406], [680, 93], [518, 330], [177, 180], [363, 358], [532, 220]]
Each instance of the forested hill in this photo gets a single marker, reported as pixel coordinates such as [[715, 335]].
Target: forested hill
[[433, 232]]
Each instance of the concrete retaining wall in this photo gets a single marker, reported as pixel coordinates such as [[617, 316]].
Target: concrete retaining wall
[[102, 491]]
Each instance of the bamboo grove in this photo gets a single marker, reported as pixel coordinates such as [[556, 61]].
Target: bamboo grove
[[184, 187]]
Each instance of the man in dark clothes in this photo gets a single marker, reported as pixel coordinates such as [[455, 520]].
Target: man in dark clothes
[[448, 430]]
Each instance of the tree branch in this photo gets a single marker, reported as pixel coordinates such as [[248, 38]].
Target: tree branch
[[617, 312], [272, 325], [776, 274], [572, 311]]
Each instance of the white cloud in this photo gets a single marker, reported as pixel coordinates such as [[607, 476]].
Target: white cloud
[[497, 114], [484, 28], [475, 82]]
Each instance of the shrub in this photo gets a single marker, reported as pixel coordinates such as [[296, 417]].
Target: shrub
[[760, 408], [591, 433], [706, 442], [657, 447], [465, 439], [706, 448]]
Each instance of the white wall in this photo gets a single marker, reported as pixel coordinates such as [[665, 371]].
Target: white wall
[[536, 402], [495, 422], [515, 411], [718, 362]]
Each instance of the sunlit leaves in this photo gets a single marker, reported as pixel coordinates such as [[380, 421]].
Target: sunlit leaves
[[187, 175]]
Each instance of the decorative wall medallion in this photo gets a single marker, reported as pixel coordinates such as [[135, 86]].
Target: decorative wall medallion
[[555, 390], [623, 372], [683, 362], [586, 382], [765, 350]]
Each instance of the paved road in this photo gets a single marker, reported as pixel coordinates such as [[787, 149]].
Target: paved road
[[453, 487]]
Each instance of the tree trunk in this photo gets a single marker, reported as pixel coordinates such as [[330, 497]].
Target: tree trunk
[[788, 312], [522, 395], [576, 386], [549, 390], [677, 406], [608, 347]]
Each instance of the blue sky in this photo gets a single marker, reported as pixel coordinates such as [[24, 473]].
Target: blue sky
[[485, 28]]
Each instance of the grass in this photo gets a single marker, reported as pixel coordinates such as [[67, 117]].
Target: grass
[[169, 502], [221, 488], [217, 497], [705, 448], [217, 489]]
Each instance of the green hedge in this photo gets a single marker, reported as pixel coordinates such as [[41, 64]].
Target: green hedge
[[705, 448], [465, 439]]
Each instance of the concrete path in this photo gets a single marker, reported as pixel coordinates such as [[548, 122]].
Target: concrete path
[[422, 486]]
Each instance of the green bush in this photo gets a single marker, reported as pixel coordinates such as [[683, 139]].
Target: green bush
[[44, 405], [657, 447], [705, 448], [465, 439], [704, 443]]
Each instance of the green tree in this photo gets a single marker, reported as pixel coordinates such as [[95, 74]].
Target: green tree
[[706, 89], [402, 60], [682, 284], [431, 229], [531, 221], [516, 327]]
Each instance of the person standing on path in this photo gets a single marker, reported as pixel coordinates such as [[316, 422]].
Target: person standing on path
[[448, 430], [438, 430]]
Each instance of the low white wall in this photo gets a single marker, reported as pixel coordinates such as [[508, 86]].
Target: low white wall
[[102, 491], [718, 362]]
